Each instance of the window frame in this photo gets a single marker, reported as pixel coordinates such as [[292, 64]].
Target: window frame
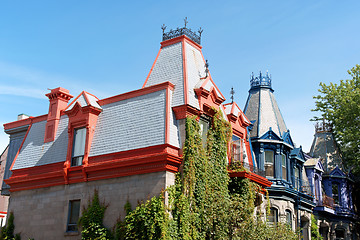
[[269, 165], [274, 217], [78, 159], [74, 222], [284, 167], [288, 219]]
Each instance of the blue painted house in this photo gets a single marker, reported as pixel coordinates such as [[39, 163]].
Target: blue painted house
[[291, 195], [333, 187]]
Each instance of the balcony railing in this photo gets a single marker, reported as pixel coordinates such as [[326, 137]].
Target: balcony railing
[[246, 167], [301, 186], [326, 201]]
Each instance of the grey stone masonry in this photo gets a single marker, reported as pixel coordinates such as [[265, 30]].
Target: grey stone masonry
[[43, 213]]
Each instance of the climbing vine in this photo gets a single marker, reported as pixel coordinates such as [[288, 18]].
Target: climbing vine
[[92, 220], [204, 203], [7, 232]]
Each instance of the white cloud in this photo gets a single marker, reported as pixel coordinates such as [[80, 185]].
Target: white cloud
[[22, 91]]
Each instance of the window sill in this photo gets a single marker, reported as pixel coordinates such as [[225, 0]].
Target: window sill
[[71, 234]]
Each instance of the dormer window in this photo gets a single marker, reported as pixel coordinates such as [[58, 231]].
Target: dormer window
[[269, 163], [78, 146]]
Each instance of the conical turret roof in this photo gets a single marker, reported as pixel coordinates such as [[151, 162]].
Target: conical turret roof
[[262, 109]]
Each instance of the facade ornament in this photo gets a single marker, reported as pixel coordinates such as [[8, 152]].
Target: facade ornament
[[232, 92], [206, 68], [185, 21]]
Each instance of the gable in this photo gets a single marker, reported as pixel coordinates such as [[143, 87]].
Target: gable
[[337, 172], [270, 135], [287, 138]]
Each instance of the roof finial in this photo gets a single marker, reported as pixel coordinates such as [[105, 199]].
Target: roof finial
[[185, 21], [232, 92], [163, 27], [200, 31], [206, 68]]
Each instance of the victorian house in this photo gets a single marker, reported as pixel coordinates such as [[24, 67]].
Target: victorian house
[[290, 195], [127, 146], [333, 187]]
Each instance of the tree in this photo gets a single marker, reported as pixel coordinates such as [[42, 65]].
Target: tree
[[339, 105]]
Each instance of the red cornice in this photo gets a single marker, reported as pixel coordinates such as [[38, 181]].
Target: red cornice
[[263, 182], [179, 39], [184, 111], [136, 93], [25, 121], [138, 161]]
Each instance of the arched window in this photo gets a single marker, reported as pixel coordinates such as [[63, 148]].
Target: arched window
[[269, 163]]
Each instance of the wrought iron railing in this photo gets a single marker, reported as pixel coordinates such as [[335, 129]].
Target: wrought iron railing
[[261, 80], [303, 187], [325, 201], [182, 31]]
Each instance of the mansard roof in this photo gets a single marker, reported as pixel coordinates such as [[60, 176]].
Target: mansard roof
[[325, 147], [262, 109], [141, 124], [120, 115], [180, 61]]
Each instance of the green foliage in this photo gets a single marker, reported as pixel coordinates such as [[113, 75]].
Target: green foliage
[[92, 220], [148, 221], [315, 235], [339, 105], [7, 232]]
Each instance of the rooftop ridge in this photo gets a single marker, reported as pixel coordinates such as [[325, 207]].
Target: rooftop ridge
[[260, 81]]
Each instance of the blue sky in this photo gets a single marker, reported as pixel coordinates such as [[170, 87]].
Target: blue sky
[[108, 47]]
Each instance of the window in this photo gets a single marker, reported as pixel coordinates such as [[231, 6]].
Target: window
[[73, 217], [273, 217], [335, 192], [204, 128], [288, 218], [78, 146], [236, 150], [340, 233], [297, 178], [283, 165], [269, 163]]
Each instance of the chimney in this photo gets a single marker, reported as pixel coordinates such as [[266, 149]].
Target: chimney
[[22, 116], [58, 97]]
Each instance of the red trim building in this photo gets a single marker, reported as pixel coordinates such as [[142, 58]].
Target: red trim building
[[127, 146]]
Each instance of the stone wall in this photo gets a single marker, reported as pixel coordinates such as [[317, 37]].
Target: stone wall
[[43, 213]]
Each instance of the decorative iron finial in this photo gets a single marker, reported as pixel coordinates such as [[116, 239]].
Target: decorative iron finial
[[185, 21], [163, 27], [232, 92], [262, 80], [206, 68], [200, 31]]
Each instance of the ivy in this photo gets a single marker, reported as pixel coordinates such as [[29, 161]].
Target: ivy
[[148, 221], [315, 235], [92, 221], [7, 232]]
